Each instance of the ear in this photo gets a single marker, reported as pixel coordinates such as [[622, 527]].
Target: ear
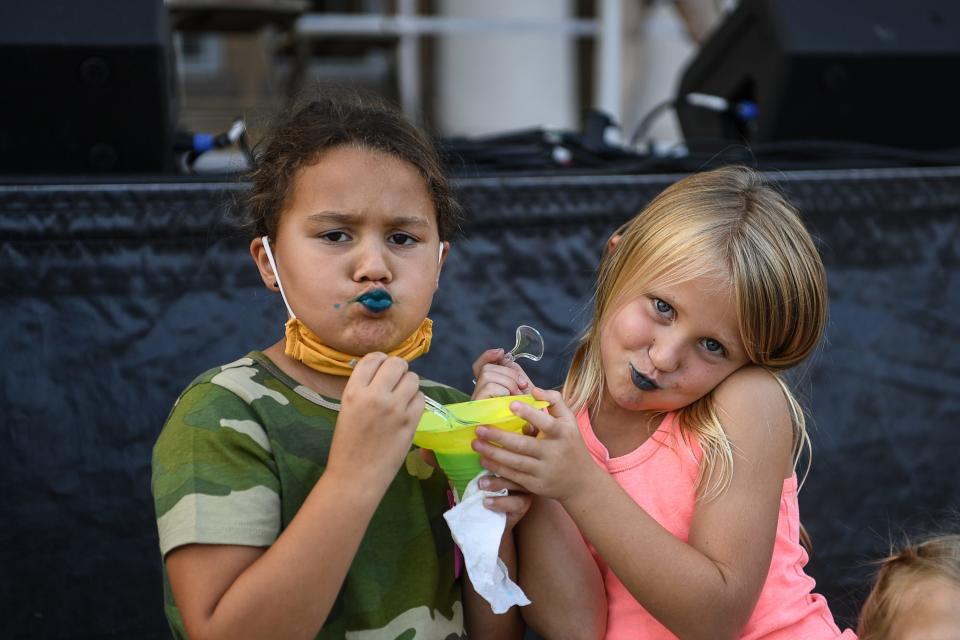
[[259, 254], [612, 242]]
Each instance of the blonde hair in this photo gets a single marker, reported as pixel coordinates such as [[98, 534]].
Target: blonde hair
[[728, 223], [898, 577]]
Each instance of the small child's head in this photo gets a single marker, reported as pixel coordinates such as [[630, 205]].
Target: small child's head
[[344, 120], [352, 212], [916, 595], [754, 291], [732, 226]]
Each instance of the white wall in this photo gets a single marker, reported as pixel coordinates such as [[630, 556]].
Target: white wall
[[494, 82]]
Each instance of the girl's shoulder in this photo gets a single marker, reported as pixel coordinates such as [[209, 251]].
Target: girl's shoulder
[[752, 405], [748, 381], [251, 360], [249, 380]]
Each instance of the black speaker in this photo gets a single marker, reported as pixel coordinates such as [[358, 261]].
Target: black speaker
[[87, 87], [868, 71]]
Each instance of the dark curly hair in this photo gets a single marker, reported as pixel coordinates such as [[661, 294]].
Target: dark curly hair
[[340, 119]]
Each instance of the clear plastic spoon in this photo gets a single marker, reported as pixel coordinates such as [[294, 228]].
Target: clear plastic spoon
[[529, 345], [452, 420]]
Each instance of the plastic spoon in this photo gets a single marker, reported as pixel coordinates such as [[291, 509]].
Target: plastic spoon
[[529, 345]]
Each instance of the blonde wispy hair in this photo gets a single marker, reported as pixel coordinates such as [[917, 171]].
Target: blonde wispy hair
[[900, 580], [732, 224]]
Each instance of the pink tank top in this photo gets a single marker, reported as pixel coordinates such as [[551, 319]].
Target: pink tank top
[[660, 476]]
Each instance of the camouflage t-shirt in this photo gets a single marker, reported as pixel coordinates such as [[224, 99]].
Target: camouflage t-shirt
[[240, 451]]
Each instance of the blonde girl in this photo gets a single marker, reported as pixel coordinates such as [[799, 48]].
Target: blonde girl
[[674, 442]]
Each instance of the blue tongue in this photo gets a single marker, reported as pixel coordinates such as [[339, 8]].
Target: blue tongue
[[376, 300]]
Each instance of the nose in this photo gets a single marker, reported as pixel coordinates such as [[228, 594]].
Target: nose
[[666, 352], [371, 263]]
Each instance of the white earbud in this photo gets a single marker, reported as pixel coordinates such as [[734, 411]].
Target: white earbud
[[439, 265]]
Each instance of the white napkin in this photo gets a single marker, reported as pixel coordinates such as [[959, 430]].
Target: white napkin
[[477, 531]]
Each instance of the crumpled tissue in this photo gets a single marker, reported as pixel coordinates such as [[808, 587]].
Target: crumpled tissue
[[477, 530]]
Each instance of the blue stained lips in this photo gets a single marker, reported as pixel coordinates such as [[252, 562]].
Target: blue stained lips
[[375, 300], [641, 381]]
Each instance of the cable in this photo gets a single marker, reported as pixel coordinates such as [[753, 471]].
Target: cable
[[539, 151], [743, 110], [193, 145], [641, 129]]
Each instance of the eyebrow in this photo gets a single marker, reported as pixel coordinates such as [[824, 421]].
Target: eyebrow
[[341, 217]]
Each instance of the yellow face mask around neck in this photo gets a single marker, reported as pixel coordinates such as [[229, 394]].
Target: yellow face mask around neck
[[304, 345]]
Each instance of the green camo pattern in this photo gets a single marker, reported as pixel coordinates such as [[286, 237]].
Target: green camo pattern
[[240, 451]]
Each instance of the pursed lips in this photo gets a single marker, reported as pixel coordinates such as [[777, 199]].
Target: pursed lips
[[375, 300], [641, 381]]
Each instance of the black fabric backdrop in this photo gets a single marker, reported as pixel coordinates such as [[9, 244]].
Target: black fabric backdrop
[[114, 295]]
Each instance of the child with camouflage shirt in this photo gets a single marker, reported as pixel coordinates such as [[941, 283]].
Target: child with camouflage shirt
[[289, 500]]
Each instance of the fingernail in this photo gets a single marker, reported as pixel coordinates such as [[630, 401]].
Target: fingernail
[[481, 431], [488, 502], [484, 483]]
